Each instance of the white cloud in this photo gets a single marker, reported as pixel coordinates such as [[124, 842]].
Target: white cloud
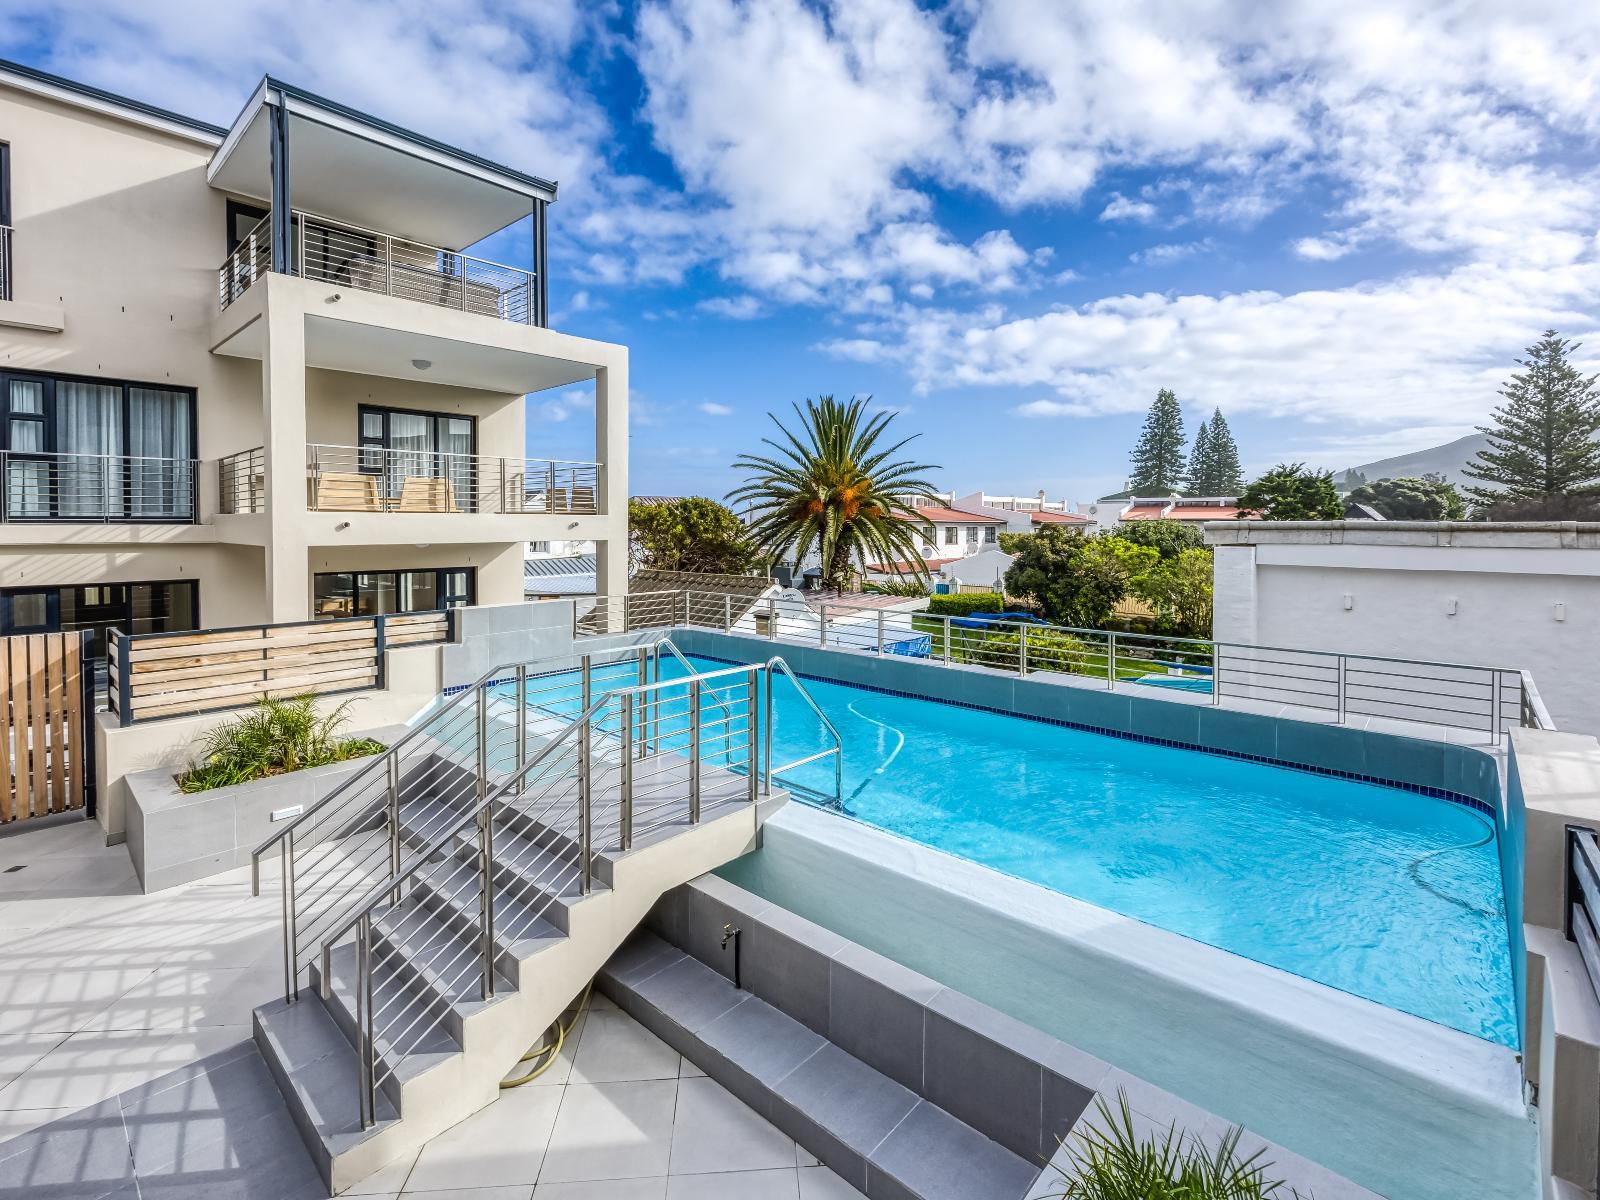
[[735, 308], [1169, 252], [1123, 209], [712, 409], [563, 405]]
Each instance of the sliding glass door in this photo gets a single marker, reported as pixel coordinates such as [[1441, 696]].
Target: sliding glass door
[[165, 607], [426, 461], [91, 450], [372, 593]]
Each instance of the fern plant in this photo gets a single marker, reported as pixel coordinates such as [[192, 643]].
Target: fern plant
[[1112, 1161], [274, 738]]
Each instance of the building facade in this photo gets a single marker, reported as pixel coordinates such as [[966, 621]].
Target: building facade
[[253, 374]]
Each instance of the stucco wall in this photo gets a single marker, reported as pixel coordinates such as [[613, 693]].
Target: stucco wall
[[1451, 592]]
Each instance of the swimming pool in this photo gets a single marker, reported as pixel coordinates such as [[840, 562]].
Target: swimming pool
[[1380, 892]]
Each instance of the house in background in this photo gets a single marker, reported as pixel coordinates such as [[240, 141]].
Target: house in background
[[254, 374], [1110, 511]]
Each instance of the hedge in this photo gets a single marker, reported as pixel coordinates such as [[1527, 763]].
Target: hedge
[[965, 604]]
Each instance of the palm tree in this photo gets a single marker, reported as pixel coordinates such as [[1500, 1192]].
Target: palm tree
[[835, 489]]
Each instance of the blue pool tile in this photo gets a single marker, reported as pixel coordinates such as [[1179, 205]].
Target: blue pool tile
[[1336, 748], [1243, 733], [1106, 711], [1405, 760]]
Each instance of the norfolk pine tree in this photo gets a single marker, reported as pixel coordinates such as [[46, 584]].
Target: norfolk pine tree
[[1227, 479], [1542, 442], [1202, 463], [1158, 466]]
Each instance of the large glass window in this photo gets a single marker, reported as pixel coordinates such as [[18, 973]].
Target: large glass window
[[371, 593], [952, 535], [426, 461], [164, 607], [95, 450]]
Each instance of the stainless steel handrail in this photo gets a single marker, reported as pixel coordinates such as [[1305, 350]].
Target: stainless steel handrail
[[774, 664], [381, 478], [103, 489]]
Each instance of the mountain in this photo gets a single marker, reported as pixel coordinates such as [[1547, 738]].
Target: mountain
[[1446, 460]]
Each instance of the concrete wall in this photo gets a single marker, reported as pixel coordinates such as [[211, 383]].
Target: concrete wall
[[1516, 595]]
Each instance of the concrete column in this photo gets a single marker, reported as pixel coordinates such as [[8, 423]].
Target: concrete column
[[611, 449], [283, 420], [1233, 595]]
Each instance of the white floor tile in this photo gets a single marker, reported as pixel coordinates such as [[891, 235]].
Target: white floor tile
[[388, 1180], [90, 1067], [615, 1048], [604, 1189], [804, 1157], [687, 1070], [735, 1185], [15, 1122], [715, 1131], [612, 1131], [20, 1051], [522, 1192], [819, 1183], [501, 1146]]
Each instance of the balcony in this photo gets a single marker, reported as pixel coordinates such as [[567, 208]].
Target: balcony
[[97, 488], [375, 479], [373, 261]]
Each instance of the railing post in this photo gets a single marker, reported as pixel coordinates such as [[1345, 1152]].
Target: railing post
[[1111, 660], [394, 826], [380, 644], [1341, 700], [947, 629], [822, 623], [880, 633], [364, 1022], [727, 613], [585, 803], [124, 677], [482, 729], [626, 813], [522, 724], [486, 901], [694, 752], [1216, 672], [1494, 707], [752, 685], [766, 736], [772, 617], [644, 702], [1022, 650], [287, 871]]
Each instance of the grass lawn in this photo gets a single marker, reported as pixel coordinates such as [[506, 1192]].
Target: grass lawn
[[967, 646]]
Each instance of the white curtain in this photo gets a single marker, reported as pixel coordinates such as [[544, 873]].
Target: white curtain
[[89, 445], [455, 443], [160, 449], [27, 480]]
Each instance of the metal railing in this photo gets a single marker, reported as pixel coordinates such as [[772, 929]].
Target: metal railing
[[1582, 910], [102, 488], [371, 260], [452, 846], [242, 482], [5, 262], [1476, 697], [378, 479]]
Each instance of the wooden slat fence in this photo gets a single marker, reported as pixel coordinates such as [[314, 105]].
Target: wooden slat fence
[[46, 749], [172, 674]]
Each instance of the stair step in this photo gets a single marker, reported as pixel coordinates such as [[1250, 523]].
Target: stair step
[[443, 956], [316, 1069], [451, 890], [410, 1035], [879, 1136]]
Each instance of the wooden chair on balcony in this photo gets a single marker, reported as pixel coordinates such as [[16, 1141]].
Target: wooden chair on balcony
[[427, 493], [345, 491]]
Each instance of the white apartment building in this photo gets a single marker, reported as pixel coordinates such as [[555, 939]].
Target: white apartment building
[[252, 375], [947, 533], [1110, 511]]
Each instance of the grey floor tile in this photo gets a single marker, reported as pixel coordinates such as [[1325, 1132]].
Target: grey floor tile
[[714, 1131], [615, 1048], [612, 1131], [502, 1145], [932, 1156], [604, 1189], [736, 1185], [819, 1183]]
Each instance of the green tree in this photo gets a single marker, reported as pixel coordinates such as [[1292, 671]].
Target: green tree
[[1012, 542], [1076, 579], [1227, 477], [1202, 469], [1167, 538], [1158, 458], [1291, 492], [1542, 439], [836, 487], [689, 534], [1422, 498], [1179, 590]]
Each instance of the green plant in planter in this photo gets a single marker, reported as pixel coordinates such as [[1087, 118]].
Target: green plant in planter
[[274, 738], [1112, 1161]]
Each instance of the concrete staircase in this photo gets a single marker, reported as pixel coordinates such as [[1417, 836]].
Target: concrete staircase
[[444, 913]]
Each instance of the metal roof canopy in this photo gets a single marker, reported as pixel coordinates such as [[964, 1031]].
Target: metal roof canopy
[[348, 166]]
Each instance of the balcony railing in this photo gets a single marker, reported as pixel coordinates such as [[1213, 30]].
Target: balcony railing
[[241, 481], [376, 479], [96, 487], [370, 260], [5, 262]]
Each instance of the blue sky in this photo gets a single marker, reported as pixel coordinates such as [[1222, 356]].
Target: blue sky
[[1010, 221]]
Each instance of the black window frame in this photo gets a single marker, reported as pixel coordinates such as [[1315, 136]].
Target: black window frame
[[53, 595], [51, 444], [238, 208], [439, 589], [7, 286]]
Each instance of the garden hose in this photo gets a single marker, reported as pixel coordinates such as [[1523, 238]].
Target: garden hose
[[547, 1049]]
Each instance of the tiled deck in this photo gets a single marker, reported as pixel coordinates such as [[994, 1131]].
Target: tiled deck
[[107, 998]]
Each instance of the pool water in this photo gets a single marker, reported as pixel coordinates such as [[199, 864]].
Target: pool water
[[1377, 891]]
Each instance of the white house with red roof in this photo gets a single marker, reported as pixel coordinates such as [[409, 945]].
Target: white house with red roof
[[1110, 511]]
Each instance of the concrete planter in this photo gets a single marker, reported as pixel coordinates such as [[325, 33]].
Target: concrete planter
[[176, 837]]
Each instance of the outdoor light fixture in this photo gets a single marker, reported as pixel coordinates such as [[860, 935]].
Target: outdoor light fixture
[[1450, 607], [422, 364], [341, 526], [1561, 612], [1349, 602]]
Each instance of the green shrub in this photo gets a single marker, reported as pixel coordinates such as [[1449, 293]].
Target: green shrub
[[274, 738], [1047, 651], [1111, 1161], [966, 603], [896, 587]]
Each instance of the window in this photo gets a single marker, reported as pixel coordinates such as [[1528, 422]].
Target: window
[[952, 535], [989, 537], [242, 218], [972, 535], [436, 449], [372, 593], [95, 450], [5, 221], [538, 547], [165, 607]]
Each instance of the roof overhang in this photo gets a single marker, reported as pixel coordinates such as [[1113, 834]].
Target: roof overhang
[[93, 99], [349, 166]]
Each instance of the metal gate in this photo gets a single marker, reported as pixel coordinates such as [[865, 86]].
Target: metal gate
[[46, 738]]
